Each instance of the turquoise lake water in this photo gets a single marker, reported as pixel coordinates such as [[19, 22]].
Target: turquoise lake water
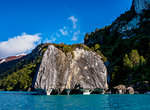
[[24, 101]]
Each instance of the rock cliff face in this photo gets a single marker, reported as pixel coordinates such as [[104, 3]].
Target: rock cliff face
[[60, 72], [131, 20], [140, 5]]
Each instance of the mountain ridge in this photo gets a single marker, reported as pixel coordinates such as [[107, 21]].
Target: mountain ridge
[[12, 58]]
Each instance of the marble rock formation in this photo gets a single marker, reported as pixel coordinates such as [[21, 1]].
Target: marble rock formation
[[60, 73]]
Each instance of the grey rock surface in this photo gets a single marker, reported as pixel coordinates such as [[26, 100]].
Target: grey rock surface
[[133, 24], [124, 27], [140, 5], [59, 71]]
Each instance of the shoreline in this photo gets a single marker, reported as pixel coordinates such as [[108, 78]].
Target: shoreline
[[36, 93]]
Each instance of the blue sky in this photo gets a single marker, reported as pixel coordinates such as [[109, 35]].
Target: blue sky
[[34, 21]]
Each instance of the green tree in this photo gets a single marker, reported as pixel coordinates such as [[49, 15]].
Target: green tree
[[104, 59], [67, 49], [97, 46], [142, 60], [96, 30], [134, 57], [127, 62], [92, 48], [92, 34], [87, 34]]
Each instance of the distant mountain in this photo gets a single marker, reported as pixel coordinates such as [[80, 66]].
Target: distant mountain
[[12, 58], [18, 72]]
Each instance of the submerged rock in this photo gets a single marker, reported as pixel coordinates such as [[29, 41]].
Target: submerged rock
[[66, 73]]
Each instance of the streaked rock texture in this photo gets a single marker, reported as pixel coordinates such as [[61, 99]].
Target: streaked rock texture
[[59, 72]]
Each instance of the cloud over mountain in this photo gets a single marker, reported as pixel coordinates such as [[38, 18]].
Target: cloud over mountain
[[19, 44]]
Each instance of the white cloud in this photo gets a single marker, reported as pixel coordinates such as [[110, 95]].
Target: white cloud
[[19, 44], [47, 40], [53, 39], [77, 32], [76, 35], [75, 38], [57, 35], [64, 31], [74, 21], [73, 33]]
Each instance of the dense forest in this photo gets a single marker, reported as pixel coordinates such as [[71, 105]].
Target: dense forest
[[128, 57], [19, 74]]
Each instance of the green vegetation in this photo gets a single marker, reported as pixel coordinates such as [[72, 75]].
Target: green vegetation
[[18, 75], [67, 49], [129, 59], [70, 48], [97, 46], [20, 80], [133, 60]]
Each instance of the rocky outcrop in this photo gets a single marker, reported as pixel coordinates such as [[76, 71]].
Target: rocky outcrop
[[133, 24], [61, 73], [130, 90], [121, 89], [125, 27], [140, 5]]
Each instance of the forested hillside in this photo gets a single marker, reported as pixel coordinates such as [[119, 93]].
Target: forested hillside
[[127, 48], [18, 74]]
